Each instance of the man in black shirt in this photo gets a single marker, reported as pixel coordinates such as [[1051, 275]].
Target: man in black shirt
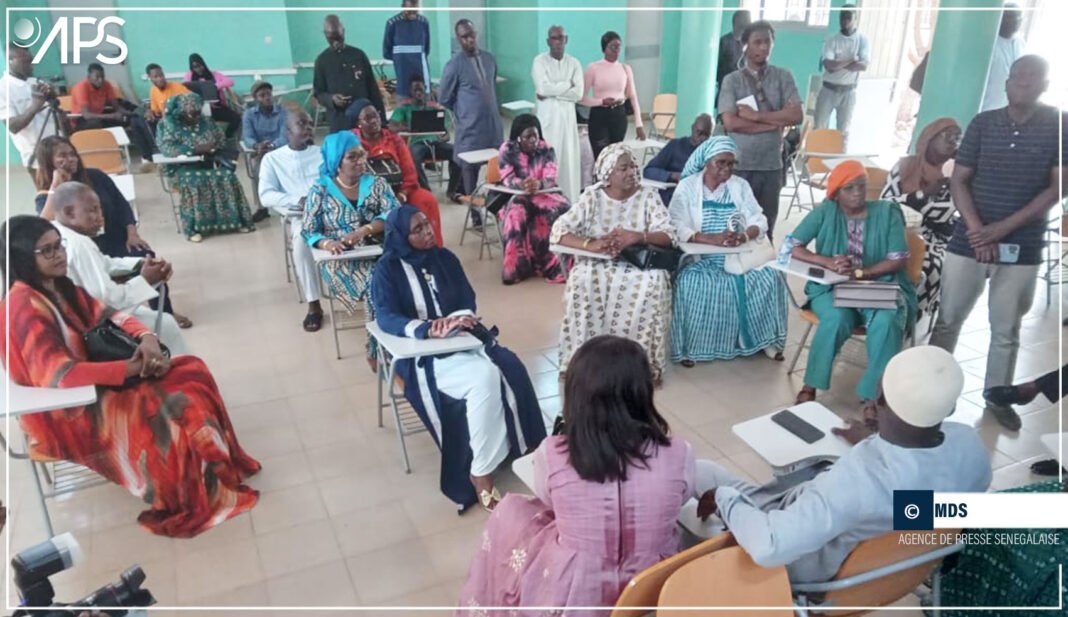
[[343, 74], [731, 47]]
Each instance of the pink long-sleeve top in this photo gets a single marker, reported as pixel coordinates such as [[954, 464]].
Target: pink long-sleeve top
[[610, 79]]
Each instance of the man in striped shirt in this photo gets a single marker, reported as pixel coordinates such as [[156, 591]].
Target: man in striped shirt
[[1004, 183]]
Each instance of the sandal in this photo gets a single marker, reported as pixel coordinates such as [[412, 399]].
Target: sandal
[[195, 238], [806, 395], [489, 499], [312, 322], [774, 353], [869, 411], [688, 363], [183, 322]]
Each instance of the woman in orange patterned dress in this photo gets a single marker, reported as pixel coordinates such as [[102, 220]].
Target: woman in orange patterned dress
[[158, 428]]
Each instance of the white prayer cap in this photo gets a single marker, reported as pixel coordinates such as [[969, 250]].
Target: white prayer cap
[[922, 385]]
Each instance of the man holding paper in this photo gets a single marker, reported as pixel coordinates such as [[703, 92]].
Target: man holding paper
[[755, 104]]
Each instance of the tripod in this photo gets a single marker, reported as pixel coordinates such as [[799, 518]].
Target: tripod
[[52, 115]]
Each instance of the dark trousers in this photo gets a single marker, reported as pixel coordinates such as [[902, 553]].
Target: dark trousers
[[1054, 384], [766, 185], [229, 116], [607, 126], [135, 126], [442, 150]]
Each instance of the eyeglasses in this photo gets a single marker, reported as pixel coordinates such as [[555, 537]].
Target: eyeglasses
[[49, 250], [724, 163]]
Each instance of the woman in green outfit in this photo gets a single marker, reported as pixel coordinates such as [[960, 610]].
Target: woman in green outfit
[[212, 201], [864, 240]]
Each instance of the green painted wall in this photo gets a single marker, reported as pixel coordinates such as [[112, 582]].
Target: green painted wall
[[699, 55], [670, 25]]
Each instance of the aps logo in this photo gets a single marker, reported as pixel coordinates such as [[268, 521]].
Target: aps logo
[[27, 31]]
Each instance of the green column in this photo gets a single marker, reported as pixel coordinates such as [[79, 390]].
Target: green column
[[698, 55], [960, 58]]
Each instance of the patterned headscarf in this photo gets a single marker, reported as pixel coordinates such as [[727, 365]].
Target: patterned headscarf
[[916, 172], [607, 159], [712, 146], [181, 103], [334, 148], [844, 173]]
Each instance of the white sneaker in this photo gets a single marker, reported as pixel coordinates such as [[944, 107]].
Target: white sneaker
[[196, 238]]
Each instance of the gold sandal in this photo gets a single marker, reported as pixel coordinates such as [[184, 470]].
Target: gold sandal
[[489, 499]]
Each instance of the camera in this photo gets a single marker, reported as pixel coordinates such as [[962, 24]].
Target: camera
[[33, 566]]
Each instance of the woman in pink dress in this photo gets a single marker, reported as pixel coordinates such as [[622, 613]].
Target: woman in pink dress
[[529, 164], [608, 492]]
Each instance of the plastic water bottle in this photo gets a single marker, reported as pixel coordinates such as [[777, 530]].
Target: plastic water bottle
[[786, 250]]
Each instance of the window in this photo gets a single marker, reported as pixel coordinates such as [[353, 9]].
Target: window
[[815, 13]]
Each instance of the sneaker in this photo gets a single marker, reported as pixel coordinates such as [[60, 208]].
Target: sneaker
[[260, 215], [196, 238], [1005, 415]]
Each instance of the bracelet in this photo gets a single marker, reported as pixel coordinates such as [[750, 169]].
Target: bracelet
[[149, 333], [586, 243]]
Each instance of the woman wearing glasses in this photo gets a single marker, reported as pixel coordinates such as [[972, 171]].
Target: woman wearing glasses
[[158, 428], [718, 315]]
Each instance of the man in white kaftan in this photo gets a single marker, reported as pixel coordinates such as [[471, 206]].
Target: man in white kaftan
[[558, 83]]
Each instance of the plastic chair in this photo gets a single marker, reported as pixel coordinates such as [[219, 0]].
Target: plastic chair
[[726, 578], [914, 270], [665, 108], [98, 148], [813, 172], [478, 204], [645, 588], [878, 572], [876, 182]]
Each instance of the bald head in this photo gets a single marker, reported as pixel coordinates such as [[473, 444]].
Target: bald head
[[334, 32], [701, 129], [77, 207], [468, 37], [557, 40], [299, 130]]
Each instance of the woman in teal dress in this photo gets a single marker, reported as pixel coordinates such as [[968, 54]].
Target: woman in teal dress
[[864, 240], [211, 199], [346, 208], [717, 315]]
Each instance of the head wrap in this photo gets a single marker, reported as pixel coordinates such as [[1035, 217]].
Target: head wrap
[[916, 172], [607, 159], [208, 74], [708, 149], [398, 228], [356, 107], [334, 148], [843, 174], [922, 384], [181, 103]]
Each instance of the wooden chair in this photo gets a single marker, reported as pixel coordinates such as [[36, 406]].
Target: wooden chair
[[643, 591], [726, 578], [878, 572], [98, 148], [477, 203], [914, 269], [665, 108], [813, 172]]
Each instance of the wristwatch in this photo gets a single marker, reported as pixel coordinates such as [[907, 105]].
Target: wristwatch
[[858, 273]]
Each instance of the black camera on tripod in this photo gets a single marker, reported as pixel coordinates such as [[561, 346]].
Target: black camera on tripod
[[34, 565]]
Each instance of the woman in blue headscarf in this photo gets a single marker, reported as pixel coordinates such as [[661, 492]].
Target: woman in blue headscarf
[[717, 315], [478, 405], [346, 208]]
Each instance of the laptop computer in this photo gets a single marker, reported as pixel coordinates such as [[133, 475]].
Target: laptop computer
[[206, 89], [428, 121]]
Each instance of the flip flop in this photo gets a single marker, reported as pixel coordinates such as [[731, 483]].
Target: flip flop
[[805, 395], [312, 322], [183, 322]]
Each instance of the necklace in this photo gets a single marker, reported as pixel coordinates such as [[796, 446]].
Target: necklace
[[347, 186]]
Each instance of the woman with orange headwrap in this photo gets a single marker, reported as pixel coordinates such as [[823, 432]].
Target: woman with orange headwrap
[[918, 182], [864, 240]]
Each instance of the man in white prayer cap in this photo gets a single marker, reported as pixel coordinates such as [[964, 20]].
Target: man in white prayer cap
[[811, 526]]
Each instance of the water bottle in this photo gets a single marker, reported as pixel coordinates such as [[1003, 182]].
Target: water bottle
[[786, 250]]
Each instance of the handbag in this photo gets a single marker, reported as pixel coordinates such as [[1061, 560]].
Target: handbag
[[387, 169], [107, 342], [761, 253], [652, 257]]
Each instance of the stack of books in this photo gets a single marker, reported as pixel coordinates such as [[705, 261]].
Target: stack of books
[[866, 294]]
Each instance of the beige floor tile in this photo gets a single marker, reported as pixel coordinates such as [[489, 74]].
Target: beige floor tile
[[339, 459], [372, 529], [270, 442], [392, 572], [217, 570], [286, 508], [284, 471], [362, 489], [328, 584], [297, 548], [451, 551]]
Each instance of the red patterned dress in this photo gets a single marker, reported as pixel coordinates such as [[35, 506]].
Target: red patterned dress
[[167, 440]]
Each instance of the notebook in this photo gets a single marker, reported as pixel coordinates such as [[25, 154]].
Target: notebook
[[428, 121], [866, 294]]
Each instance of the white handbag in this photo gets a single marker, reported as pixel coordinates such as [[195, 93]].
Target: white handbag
[[761, 252]]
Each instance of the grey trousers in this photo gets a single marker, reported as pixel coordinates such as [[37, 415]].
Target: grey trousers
[[839, 101], [1012, 291], [766, 185]]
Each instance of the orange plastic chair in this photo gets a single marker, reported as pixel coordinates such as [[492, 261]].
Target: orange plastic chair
[[726, 578], [813, 172], [98, 148], [876, 182], [644, 590]]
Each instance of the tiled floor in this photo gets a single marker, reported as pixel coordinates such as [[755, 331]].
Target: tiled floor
[[339, 522]]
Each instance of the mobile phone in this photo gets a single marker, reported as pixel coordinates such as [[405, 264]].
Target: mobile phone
[[815, 272], [800, 428]]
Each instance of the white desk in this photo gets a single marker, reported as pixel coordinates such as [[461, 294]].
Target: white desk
[[125, 183], [658, 185], [287, 213], [478, 157], [782, 449], [360, 252], [845, 156], [693, 248], [404, 348], [407, 134], [518, 107], [645, 144], [27, 400], [1051, 441], [182, 159], [523, 468], [500, 188], [567, 250], [799, 268]]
